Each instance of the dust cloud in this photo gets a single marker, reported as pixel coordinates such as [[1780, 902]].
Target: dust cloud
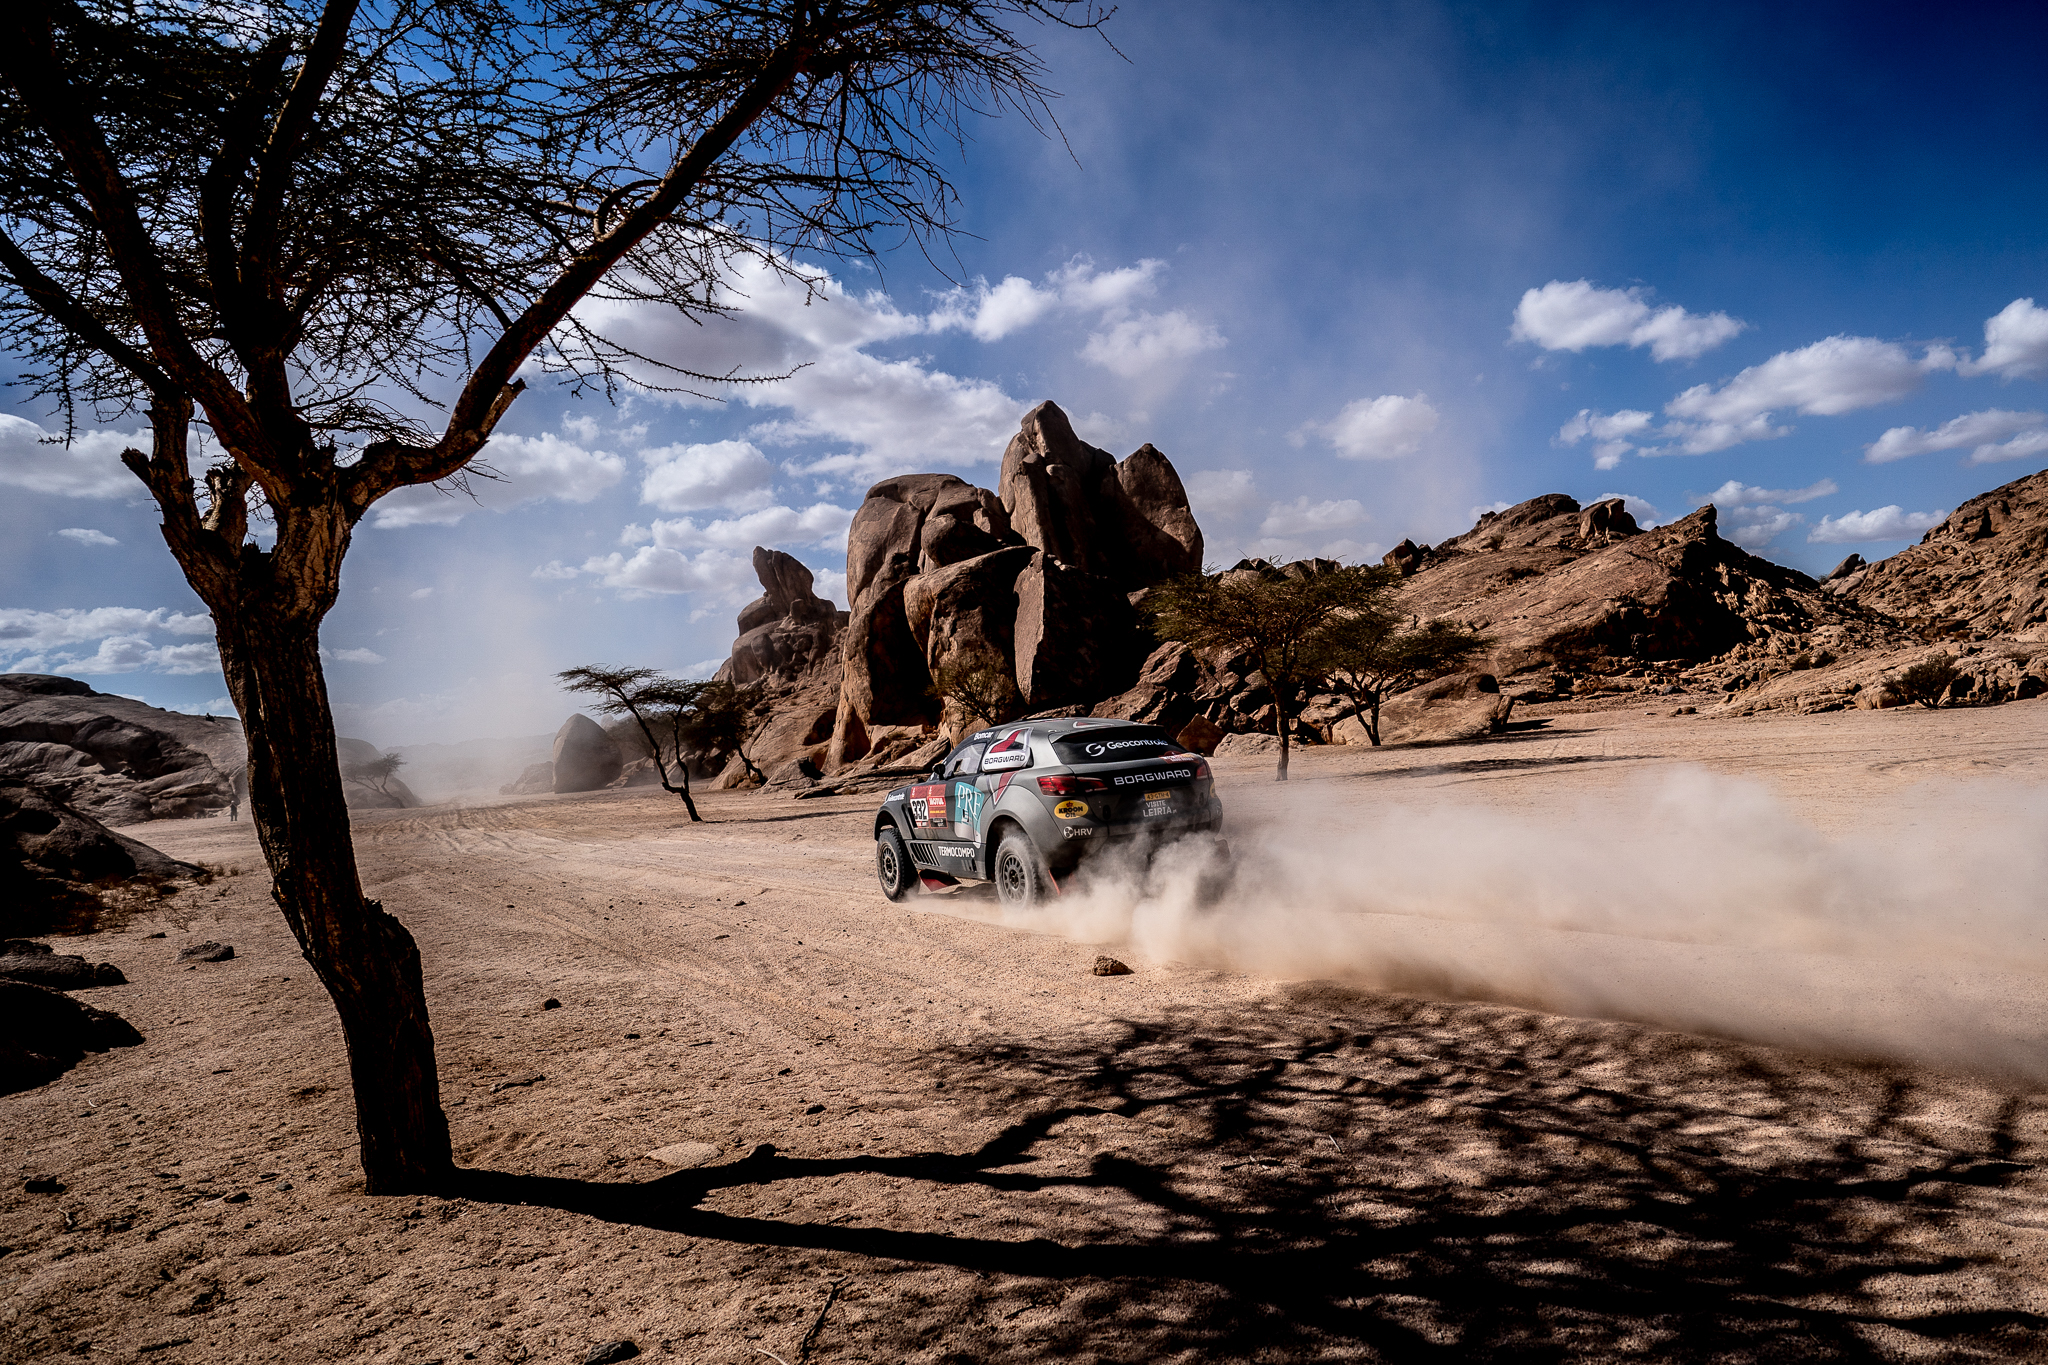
[[1697, 901]]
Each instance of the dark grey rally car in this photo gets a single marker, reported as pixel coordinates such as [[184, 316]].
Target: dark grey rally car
[[1020, 804]]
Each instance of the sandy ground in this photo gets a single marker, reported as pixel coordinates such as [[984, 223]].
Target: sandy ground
[[923, 1134]]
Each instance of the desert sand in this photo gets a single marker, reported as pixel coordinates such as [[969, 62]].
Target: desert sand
[[1630, 1037]]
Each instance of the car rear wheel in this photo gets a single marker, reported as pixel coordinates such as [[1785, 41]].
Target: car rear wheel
[[1023, 881], [893, 867]]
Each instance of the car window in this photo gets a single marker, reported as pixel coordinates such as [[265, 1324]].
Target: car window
[[965, 762], [1118, 744]]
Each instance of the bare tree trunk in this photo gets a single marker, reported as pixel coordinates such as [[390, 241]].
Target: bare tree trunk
[[1372, 727], [365, 958], [1280, 727]]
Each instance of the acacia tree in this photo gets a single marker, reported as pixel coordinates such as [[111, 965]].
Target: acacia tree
[[980, 686], [377, 773], [1373, 654], [1267, 615], [335, 235], [655, 701]]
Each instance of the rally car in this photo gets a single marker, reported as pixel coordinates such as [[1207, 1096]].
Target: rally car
[[1020, 804]]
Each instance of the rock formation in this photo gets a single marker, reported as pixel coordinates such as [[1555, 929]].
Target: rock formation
[[1037, 577], [115, 759], [1982, 572], [54, 862], [44, 1033], [585, 757], [788, 630]]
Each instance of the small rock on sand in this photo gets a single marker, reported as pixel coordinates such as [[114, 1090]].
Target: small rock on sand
[[551, 1003], [206, 952], [1109, 966], [684, 1154], [611, 1352], [43, 1184], [515, 1082]]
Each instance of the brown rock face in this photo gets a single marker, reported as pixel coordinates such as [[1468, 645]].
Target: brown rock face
[[1128, 523], [585, 757], [788, 630], [1984, 571], [52, 856], [115, 759]]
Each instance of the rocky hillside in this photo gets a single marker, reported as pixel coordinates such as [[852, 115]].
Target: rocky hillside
[[117, 760], [1981, 573]]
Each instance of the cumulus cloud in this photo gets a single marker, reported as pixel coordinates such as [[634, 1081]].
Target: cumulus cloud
[[821, 524], [2015, 343], [1837, 375], [657, 569], [90, 467], [688, 478], [87, 536], [992, 312], [1301, 517], [830, 584], [351, 656], [1735, 493], [1572, 315], [1384, 428], [418, 594], [1883, 523], [1613, 434], [1224, 490], [23, 630], [134, 653], [1756, 526], [2024, 446], [1981, 430], [1149, 342], [533, 468]]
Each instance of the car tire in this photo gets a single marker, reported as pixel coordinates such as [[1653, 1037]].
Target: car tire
[[893, 868], [1023, 881]]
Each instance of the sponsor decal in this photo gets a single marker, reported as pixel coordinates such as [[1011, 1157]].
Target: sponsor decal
[[928, 804], [953, 851], [1070, 810], [1012, 751], [968, 802], [1077, 831], [1101, 747], [892, 796], [1168, 775]]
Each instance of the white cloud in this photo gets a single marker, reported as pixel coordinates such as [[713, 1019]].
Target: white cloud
[[133, 653], [829, 584], [1613, 433], [351, 656], [218, 706], [1840, 374], [1301, 517], [87, 536], [700, 670], [1225, 490], [1478, 512], [2024, 446], [1384, 428], [1571, 315], [653, 568], [1978, 429], [688, 478], [417, 594], [1883, 523], [992, 312], [1756, 526], [822, 524], [23, 630], [2015, 343], [1148, 342], [90, 467], [1286, 549], [554, 569], [1735, 493], [534, 467]]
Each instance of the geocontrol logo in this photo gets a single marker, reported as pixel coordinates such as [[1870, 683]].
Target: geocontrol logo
[[1099, 748]]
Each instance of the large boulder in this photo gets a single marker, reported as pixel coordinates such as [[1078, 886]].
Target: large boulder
[[585, 757], [44, 1033], [787, 631], [1161, 538], [1077, 635], [39, 965], [118, 760], [54, 861], [1062, 494]]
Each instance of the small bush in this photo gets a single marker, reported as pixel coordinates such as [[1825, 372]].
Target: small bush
[[1925, 682]]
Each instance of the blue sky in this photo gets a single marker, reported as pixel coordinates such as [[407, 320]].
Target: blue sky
[[1360, 270]]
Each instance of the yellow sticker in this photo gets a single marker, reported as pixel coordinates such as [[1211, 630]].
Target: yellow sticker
[[1070, 810], [1159, 796]]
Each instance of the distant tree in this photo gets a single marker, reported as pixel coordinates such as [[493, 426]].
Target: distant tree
[[718, 718], [1926, 682], [335, 236], [1371, 654], [980, 687], [660, 705], [1269, 617], [377, 774]]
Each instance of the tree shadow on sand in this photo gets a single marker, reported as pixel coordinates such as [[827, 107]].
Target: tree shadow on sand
[[1371, 1178]]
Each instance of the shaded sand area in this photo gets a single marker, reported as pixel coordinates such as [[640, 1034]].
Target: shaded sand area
[[1330, 1116]]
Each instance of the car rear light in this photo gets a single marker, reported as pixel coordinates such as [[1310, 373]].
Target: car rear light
[[1201, 770], [1066, 784]]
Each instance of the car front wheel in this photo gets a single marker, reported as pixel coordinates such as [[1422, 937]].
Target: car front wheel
[[1023, 882], [893, 868]]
